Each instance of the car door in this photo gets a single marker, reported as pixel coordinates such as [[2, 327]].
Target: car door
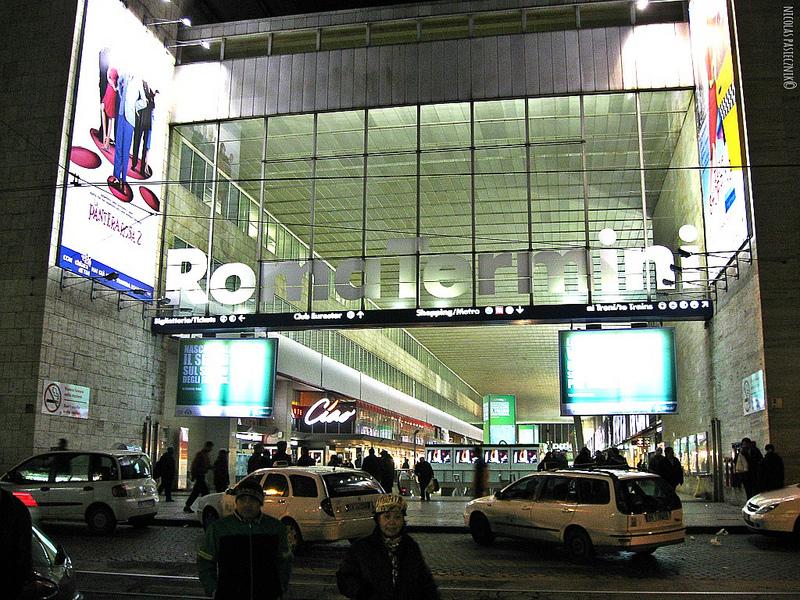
[[33, 477], [276, 493], [510, 512], [554, 507], [71, 490]]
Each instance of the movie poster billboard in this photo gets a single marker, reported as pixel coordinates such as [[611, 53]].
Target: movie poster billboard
[[719, 142], [112, 211]]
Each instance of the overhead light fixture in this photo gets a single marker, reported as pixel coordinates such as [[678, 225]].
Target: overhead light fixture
[[642, 4], [186, 22]]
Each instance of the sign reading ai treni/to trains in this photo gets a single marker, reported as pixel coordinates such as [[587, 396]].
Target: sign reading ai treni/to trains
[[673, 310]]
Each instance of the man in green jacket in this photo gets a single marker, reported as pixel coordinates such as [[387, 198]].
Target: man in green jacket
[[245, 556]]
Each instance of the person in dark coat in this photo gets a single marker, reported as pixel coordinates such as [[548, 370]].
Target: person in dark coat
[[280, 458], [165, 473], [15, 544], [546, 462], [372, 464], [584, 458], [305, 460], [424, 473], [674, 470], [259, 459], [770, 470], [200, 466], [480, 474], [387, 471], [222, 477], [747, 464], [388, 564], [658, 463]]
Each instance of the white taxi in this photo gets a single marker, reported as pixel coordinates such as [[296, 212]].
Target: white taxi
[[776, 511], [317, 504]]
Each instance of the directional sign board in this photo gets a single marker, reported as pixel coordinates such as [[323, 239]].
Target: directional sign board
[[673, 310]]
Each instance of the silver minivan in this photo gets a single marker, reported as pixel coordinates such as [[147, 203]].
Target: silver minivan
[[99, 487], [584, 509]]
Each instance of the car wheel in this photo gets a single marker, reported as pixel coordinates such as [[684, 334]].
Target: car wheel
[[140, 522], [481, 530], [101, 519], [209, 516], [296, 544], [578, 544]]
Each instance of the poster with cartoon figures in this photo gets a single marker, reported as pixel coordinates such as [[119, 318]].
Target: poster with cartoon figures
[[719, 144], [113, 208]]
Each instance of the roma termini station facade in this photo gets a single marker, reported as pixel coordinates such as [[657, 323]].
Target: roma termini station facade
[[358, 228]]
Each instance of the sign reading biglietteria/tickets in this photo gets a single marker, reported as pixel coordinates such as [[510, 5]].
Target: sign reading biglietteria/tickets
[[113, 206]]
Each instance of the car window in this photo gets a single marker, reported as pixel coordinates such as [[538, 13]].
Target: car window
[[346, 483], [276, 485], [558, 489], [104, 468], [70, 467], [43, 552], [136, 466], [303, 487], [36, 469], [647, 494], [524, 489], [593, 491]]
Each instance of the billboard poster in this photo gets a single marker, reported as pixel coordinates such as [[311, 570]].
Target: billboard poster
[[500, 419], [753, 397], [719, 143], [112, 211], [226, 377]]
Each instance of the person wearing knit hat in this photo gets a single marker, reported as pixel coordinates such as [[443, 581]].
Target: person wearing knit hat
[[387, 563], [245, 555]]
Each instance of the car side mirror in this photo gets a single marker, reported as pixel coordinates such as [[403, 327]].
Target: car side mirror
[[499, 495], [230, 491], [61, 556]]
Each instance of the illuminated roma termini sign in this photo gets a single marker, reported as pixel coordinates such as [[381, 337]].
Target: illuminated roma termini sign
[[444, 276]]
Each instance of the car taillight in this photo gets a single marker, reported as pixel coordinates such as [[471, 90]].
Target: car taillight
[[26, 499], [327, 507], [119, 491]]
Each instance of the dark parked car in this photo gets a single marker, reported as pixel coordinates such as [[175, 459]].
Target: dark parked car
[[52, 577]]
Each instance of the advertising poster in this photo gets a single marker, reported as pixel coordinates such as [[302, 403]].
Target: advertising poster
[[500, 419], [226, 377], [112, 213], [65, 400], [719, 143], [753, 398]]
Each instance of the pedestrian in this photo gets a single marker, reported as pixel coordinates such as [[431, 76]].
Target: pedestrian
[[259, 459], [615, 459], [305, 460], [747, 463], [770, 470], [165, 472], [372, 464], [387, 564], [387, 471], [480, 474], [197, 472], [599, 458], [584, 458], [546, 463], [280, 458], [657, 463], [673, 468], [15, 544], [424, 473], [245, 556], [61, 445], [334, 461], [405, 466], [560, 459], [222, 478]]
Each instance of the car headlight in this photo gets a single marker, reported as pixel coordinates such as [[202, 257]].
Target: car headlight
[[765, 509]]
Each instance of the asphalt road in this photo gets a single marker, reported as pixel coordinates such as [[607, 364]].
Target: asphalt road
[[158, 562]]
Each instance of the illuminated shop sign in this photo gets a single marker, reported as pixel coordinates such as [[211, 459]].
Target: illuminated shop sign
[[444, 276], [327, 416], [112, 211]]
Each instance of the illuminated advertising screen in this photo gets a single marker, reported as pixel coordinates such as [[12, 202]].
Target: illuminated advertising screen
[[617, 371], [112, 211], [499, 419], [719, 144], [226, 378], [439, 456]]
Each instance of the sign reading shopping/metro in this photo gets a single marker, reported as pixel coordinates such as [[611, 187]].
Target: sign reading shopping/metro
[[226, 377], [618, 371], [112, 210], [65, 400], [719, 144]]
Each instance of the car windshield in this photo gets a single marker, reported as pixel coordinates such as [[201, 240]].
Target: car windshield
[[350, 484], [43, 552], [646, 494], [134, 467]]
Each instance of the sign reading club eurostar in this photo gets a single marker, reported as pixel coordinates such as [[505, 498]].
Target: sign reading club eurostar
[[448, 277]]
